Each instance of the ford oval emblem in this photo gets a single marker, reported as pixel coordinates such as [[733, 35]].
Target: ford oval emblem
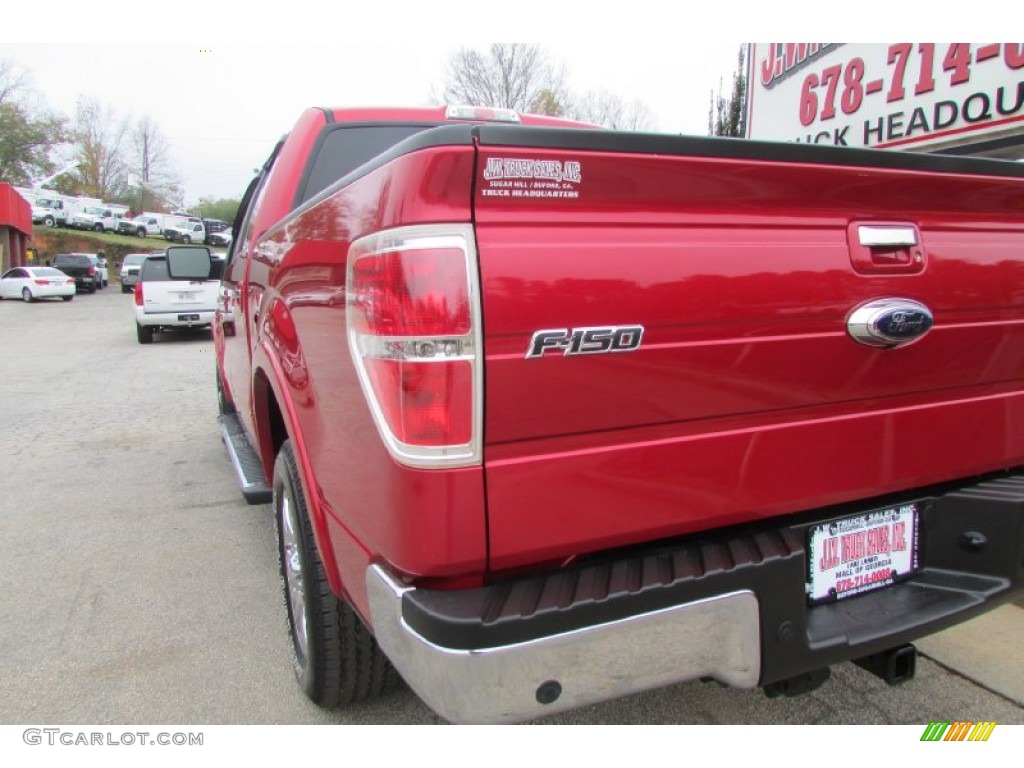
[[889, 322]]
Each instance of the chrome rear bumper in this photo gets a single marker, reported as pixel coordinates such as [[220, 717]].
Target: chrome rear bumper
[[717, 637]]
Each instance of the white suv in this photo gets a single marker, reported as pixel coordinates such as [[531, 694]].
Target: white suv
[[163, 304]]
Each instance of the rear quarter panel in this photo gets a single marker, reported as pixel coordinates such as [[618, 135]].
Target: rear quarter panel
[[423, 524]]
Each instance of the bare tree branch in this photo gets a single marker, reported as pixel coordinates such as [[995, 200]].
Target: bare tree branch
[[100, 139], [151, 165], [512, 75], [607, 109]]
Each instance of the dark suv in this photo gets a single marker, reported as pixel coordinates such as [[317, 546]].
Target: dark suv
[[213, 226], [82, 268]]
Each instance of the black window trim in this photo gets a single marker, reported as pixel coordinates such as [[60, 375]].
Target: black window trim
[[326, 131]]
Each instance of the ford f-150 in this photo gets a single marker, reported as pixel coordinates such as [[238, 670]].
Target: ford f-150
[[548, 415]]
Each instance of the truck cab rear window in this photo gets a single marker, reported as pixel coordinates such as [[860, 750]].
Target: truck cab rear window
[[81, 261], [345, 148]]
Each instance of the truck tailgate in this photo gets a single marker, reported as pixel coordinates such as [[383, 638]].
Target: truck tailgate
[[748, 396]]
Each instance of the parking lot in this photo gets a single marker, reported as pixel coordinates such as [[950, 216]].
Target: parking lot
[[138, 587]]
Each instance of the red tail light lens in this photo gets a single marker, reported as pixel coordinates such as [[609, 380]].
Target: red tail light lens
[[413, 320], [38, 281], [430, 403], [138, 294], [91, 272], [424, 295]]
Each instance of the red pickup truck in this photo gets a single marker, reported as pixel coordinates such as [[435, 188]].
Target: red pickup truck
[[549, 415]]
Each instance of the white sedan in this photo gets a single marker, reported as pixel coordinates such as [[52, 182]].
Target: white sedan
[[31, 283]]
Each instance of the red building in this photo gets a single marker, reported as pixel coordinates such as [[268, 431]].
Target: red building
[[15, 227]]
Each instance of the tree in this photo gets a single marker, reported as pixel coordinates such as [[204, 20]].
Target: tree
[[99, 138], [29, 134], [728, 117], [151, 167], [223, 209], [512, 75], [607, 109]]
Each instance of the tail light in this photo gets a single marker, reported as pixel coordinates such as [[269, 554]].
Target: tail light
[[137, 292], [38, 281], [482, 114], [91, 272], [413, 317]]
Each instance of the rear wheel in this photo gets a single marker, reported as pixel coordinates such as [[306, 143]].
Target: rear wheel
[[186, 239], [26, 295], [68, 298], [336, 659], [144, 333], [97, 228]]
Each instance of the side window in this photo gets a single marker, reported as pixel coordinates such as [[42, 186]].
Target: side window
[[253, 196], [251, 200], [154, 270]]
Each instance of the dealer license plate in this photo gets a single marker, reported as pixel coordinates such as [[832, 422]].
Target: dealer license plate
[[860, 554]]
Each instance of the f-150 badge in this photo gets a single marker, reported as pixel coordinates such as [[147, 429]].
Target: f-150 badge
[[586, 341], [889, 322]]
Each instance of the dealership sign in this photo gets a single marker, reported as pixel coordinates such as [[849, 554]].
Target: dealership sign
[[901, 95]]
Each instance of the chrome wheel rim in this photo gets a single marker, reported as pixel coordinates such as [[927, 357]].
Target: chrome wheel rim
[[294, 582]]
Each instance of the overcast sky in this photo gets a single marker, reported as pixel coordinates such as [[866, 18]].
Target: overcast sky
[[222, 107], [234, 84]]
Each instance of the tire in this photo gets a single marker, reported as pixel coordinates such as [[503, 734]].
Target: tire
[[26, 295], [97, 227], [141, 231], [335, 657], [186, 239], [49, 221], [68, 298], [224, 406], [144, 333]]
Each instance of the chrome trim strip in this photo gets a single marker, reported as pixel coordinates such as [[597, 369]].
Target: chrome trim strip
[[718, 637]]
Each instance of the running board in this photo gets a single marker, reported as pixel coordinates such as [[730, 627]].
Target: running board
[[247, 464]]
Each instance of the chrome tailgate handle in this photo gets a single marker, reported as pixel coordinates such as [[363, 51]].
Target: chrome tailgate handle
[[886, 237]]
